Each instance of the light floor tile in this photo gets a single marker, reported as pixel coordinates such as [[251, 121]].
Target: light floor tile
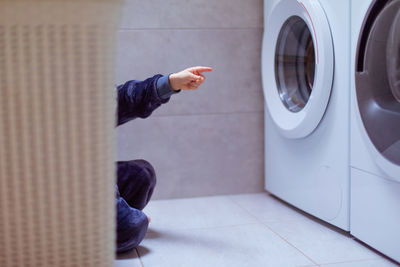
[[321, 243], [129, 259], [266, 208], [247, 245], [367, 263], [220, 231], [195, 213]]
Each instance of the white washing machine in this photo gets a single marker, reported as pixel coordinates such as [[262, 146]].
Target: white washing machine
[[375, 124], [306, 82]]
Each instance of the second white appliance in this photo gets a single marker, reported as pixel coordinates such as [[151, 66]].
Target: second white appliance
[[375, 135]]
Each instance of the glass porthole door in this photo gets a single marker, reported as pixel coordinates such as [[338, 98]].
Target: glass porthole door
[[296, 86], [295, 64]]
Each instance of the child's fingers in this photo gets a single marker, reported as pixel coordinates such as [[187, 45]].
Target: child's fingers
[[200, 80], [193, 85], [193, 76], [200, 69]]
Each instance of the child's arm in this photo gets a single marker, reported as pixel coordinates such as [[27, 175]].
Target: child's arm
[[138, 99], [141, 98]]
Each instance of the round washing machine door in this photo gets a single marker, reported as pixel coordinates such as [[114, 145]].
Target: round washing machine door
[[297, 66], [377, 81]]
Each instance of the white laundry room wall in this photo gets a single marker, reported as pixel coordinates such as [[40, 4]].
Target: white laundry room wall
[[203, 142]]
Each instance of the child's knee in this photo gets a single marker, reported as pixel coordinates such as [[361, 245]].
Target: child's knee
[[147, 173]]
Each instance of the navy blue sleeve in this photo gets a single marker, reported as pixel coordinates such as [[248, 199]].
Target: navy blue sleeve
[[138, 99], [164, 88]]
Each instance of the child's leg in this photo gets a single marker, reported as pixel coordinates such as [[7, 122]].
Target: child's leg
[[136, 180], [131, 225]]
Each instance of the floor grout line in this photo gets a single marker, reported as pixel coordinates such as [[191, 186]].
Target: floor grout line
[[317, 264], [140, 259], [209, 227], [263, 223], [363, 260], [291, 244]]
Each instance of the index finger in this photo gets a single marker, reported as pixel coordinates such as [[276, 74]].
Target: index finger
[[201, 69]]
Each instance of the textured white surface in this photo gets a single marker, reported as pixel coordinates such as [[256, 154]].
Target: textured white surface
[[56, 133]]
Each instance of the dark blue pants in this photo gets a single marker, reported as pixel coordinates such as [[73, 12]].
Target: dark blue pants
[[135, 184]]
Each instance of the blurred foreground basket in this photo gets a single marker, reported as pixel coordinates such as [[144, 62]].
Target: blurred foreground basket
[[56, 132]]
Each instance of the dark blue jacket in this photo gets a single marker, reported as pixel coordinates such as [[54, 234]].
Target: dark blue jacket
[[136, 99]]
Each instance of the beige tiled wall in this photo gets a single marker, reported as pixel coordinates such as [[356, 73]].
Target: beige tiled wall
[[208, 141]]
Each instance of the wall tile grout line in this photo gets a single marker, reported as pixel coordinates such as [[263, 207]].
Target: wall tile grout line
[[192, 29], [207, 114]]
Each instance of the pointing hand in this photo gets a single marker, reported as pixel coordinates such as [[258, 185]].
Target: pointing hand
[[188, 79]]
